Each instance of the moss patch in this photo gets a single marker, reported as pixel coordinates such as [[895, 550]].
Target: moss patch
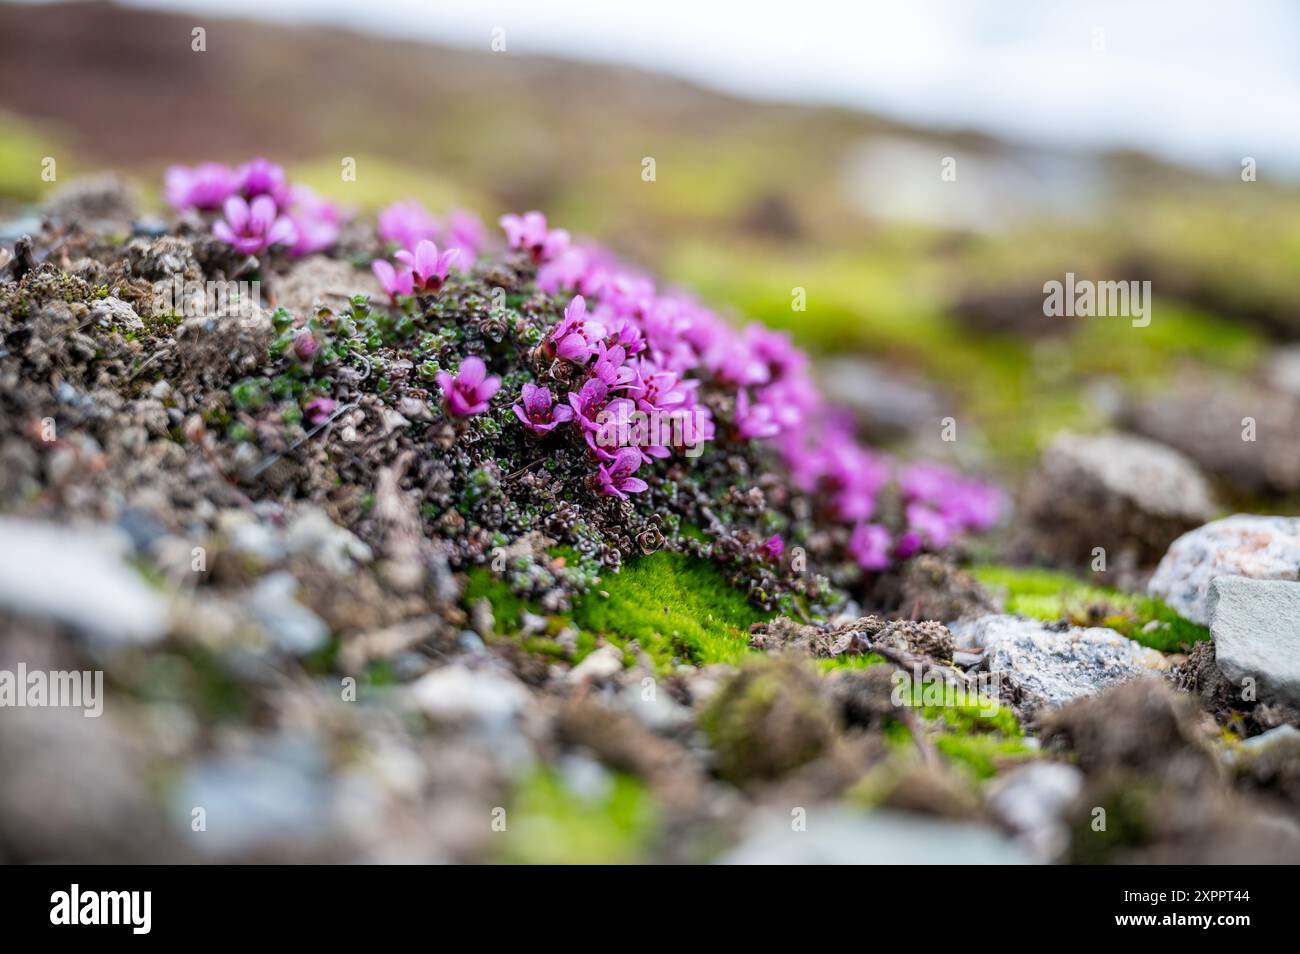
[[549, 823], [978, 734], [679, 608], [1051, 595]]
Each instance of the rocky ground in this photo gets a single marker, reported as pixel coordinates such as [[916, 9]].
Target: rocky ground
[[338, 622]]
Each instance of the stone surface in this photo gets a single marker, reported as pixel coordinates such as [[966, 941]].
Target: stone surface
[[1205, 419], [1256, 630], [600, 665], [291, 626], [1262, 548], [837, 836], [77, 578], [1126, 494], [1044, 666], [1032, 801], [1282, 370]]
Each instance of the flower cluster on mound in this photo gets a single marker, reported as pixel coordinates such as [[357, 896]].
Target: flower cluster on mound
[[545, 348]]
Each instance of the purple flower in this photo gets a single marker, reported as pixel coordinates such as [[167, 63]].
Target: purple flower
[[407, 224], [315, 219], [659, 390], [931, 525], [965, 504], [205, 187], [615, 479], [305, 346], [465, 232], [609, 367], [427, 265], [773, 547], [587, 403], [907, 544], [469, 391], [528, 232], [318, 410], [754, 421], [392, 281], [539, 412], [575, 337], [253, 228], [261, 177], [775, 350], [869, 545]]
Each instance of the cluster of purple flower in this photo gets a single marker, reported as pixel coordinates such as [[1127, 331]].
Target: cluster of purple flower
[[638, 357], [260, 207], [640, 350], [409, 227]]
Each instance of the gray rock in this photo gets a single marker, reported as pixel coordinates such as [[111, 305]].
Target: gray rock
[[312, 533], [114, 313], [291, 626], [886, 404], [1126, 494], [599, 666], [659, 711], [250, 538], [459, 694], [1262, 548], [1032, 800], [276, 794], [836, 836], [1279, 735], [490, 707], [1282, 370], [78, 578], [1256, 630], [1205, 420], [1051, 667]]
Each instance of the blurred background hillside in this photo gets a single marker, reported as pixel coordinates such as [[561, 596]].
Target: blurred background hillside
[[816, 164]]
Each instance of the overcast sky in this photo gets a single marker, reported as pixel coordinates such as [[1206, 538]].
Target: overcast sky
[[1203, 82]]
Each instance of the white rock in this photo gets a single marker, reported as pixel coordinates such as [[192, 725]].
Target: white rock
[[312, 533], [1282, 369], [77, 578], [1032, 801], [1050, 667], [1282, 734], [457, 693], [1256, 630], [292, 627], [1262, 548], [600, 665]]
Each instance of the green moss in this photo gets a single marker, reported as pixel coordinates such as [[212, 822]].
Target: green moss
[[548, 823], [982, 755], [679, 608], [1051, 595], [975, 733], [507, 606]]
